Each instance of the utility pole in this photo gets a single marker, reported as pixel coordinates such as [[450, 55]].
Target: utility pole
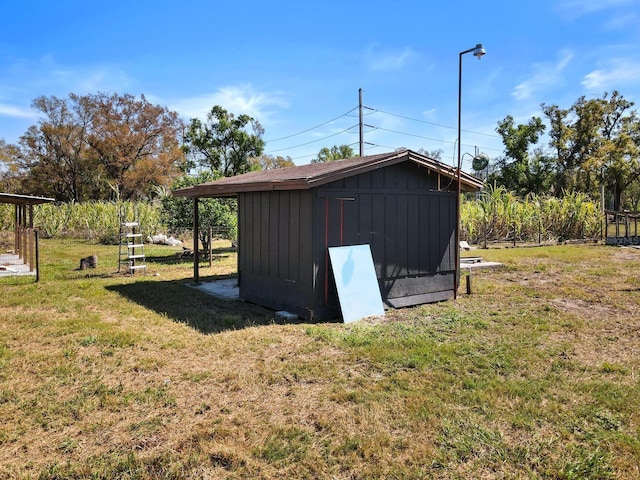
[[361, 124]]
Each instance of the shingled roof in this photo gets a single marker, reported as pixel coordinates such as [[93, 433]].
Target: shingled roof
[[304, 177]]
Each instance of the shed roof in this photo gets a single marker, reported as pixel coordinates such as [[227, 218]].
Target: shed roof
[[23, 199], [304, 177]]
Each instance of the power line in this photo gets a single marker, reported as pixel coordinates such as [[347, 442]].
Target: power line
[[371, 127], [427, 138], [312, 128], [313, 141], [435, 124]]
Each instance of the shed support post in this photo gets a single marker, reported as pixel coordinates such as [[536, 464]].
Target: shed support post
[[37, 239], [196, 234]]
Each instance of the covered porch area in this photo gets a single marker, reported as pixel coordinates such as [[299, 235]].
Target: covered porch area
[[22, 256]]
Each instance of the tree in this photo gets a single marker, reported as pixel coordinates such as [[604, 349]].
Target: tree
[[522, 169], [55, 151], [87, 147], [136, 142], [269, 162], [618, 153], [595, 141], [10, 169], [223, 144], [434, 154], [334, 153], [177, 212]]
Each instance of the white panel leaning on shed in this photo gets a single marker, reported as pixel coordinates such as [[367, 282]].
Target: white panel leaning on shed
[[356, 282]]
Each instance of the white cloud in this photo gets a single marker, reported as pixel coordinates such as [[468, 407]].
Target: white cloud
[[389, 60], [16, 112], [616, 73], [45, 76], [430, 114], [545, 75], [238, 100]]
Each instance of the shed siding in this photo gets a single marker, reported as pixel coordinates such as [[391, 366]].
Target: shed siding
[[275, 265], [409, 225], [284, 238]]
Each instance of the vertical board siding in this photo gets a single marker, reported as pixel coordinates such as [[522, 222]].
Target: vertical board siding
[[295, 239], [283, 235], [255, 231], [436, 237], [264, 234], [413, 235], [397, 210], [390, 235], [304, 242], [402, 235], [350, 225], [271, 234], [274, 236], [378, 242], [364, 220], [425, 235]]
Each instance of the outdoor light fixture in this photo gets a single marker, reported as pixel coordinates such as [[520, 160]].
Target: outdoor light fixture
[[478, 51]]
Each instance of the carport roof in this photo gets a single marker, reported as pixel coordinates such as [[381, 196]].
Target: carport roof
[[23, 199], [304, 177]]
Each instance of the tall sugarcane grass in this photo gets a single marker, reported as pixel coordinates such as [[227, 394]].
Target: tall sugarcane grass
[[500, 216], [497, 216], [93, 221]]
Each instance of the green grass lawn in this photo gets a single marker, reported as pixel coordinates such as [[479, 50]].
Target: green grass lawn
[[535, 375]]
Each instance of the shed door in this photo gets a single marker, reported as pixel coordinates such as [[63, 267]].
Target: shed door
[[338, 228]]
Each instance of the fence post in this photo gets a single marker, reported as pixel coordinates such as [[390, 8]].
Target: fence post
[[36, 237], [210, 247]]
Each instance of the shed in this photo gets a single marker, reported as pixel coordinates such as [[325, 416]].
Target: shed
[[402, 204]]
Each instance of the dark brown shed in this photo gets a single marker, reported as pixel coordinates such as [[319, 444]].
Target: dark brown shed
[[402, 204]]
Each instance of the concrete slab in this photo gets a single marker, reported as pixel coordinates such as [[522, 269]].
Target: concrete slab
[[477, 265], [225, 289], [12, 265]]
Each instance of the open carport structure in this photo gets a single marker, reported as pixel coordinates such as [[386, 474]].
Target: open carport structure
[[23, 258]]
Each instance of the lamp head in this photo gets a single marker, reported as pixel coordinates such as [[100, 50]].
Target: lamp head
[[480, 162], [479, 51]]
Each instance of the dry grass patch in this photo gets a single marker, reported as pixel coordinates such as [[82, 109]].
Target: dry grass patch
[[533, 376]]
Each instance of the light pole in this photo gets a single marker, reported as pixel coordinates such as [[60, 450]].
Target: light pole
[[478, 51]]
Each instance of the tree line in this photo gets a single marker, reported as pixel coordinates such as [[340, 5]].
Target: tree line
[[121, 147], [592, 144]]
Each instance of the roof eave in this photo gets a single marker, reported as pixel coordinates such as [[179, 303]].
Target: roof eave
[[212, 189], [17, 199]]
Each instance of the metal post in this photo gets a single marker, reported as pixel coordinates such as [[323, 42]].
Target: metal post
[[361, 124], [478, 51], [458, 189]]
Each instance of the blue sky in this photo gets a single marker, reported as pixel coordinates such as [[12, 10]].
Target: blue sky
[[297, 66]]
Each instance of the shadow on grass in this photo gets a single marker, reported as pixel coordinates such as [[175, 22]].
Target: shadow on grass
[[179, 259], [203, 312]]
